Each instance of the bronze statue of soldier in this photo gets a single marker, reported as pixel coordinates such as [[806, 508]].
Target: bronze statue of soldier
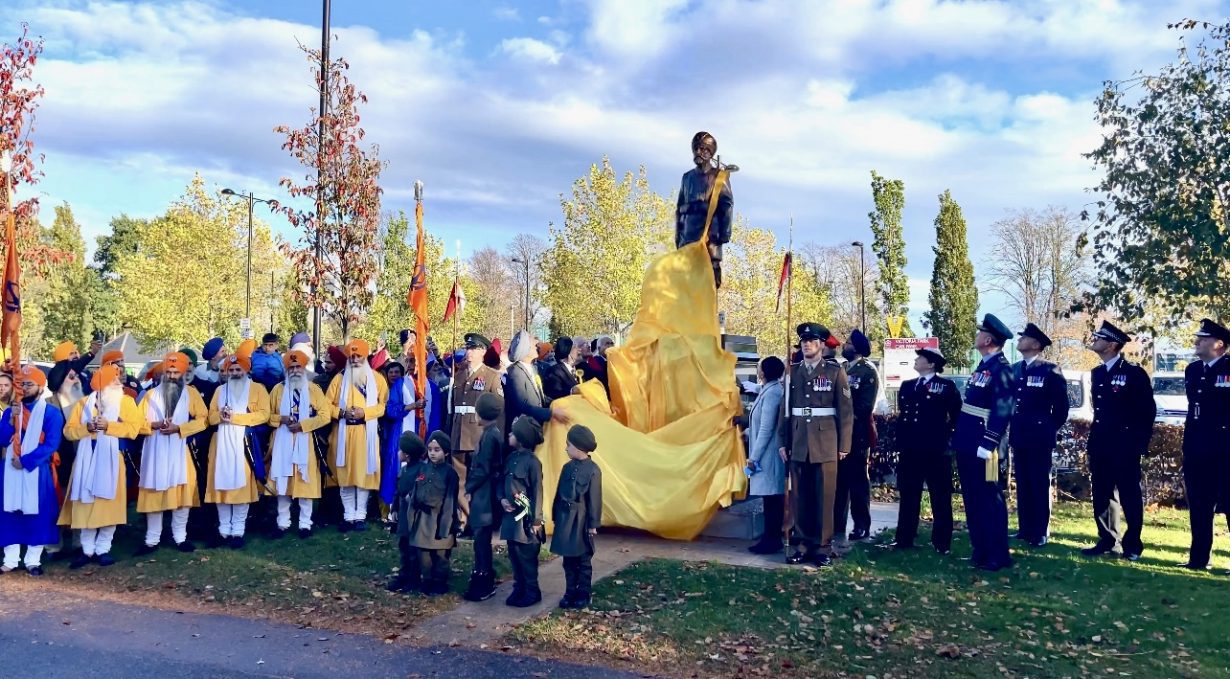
[[693, 205]]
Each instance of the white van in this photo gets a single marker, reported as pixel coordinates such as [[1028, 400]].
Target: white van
[[1170, 396], [1080, 395]]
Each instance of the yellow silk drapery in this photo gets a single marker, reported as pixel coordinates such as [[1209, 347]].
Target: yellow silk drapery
[[669, 452]]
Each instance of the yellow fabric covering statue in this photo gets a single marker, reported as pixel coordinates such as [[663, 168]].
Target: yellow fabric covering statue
[[669, 453]]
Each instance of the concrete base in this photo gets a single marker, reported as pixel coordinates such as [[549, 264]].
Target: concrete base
[[742, 520]]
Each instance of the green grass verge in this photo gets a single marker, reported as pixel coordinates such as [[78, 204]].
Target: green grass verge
[[886, 613]]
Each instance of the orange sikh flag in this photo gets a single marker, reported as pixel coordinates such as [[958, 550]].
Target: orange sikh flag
[[417, 298], [10, 327]]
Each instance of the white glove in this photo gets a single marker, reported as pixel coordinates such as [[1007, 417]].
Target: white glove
[[984, 454]]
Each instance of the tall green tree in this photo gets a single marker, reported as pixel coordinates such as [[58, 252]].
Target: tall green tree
[[1160, 232], [76, 302], [613, 227], [122, 240], [892, 285], [954, 298]]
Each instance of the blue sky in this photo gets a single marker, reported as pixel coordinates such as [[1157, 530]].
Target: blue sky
[[498, 106]]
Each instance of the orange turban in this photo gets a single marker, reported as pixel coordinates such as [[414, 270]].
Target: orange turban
[[104, 377], [154, 371], [112, 356], [33, 374], [246, 348], [63, 351], [358, 347], [177, 360], [237, 359], [295, 358]]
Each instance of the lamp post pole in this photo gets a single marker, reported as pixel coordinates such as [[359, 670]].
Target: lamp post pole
[[252, 201]]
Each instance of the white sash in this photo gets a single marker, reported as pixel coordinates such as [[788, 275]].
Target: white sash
[[21, 485], [163, 457], [410, 421], [97, 467], [291, 450], [373, 443], [230, 462]]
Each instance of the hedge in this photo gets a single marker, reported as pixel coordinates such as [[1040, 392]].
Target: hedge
[[1162, 468]]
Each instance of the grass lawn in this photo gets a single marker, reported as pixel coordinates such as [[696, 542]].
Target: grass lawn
[[896, 614], [330, 580]]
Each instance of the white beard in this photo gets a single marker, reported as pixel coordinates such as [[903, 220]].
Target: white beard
[[359, 375], [70, 393], [111, 396], [297, 383]]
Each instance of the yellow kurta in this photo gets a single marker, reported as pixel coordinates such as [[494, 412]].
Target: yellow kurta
[[101, 513], [355, 473], [258, 413], [185, 495], [296, 487]]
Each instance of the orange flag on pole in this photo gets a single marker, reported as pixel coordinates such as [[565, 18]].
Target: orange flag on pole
[[10, 327], [417, 297]]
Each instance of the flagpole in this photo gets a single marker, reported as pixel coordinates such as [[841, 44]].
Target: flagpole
[[787, 526], [12, 286]]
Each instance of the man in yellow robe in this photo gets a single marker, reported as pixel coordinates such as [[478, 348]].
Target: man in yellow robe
[[357, 398], [239, 403], [297, 408], [97, 497], [173, 412]]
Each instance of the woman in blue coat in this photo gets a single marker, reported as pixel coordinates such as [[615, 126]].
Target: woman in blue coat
[[765, 467]]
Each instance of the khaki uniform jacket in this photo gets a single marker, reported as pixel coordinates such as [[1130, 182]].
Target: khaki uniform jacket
[[466, 429], [818, 438]]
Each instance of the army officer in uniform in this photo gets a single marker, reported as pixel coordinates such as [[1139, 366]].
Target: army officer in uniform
[[1206, 470], [817, 434], [1041, 409], [474, 380], [929, 406]]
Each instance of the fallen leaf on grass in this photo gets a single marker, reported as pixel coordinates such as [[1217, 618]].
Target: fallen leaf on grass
[[951, 651]]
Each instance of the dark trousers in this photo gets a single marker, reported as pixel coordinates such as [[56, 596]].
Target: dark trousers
[[986, 512], [423, 565], [482, 550], [524, 558], [853, 492], [1117, 496], [1202, 479], [774, 517], [935, 469], [1032, 469], [411, 572], [579, 575], [814, 504]]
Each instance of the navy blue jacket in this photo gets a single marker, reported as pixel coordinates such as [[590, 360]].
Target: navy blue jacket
[[927, 415], [1123, 410], [1041, 405], [991, 388], [1207, 430]]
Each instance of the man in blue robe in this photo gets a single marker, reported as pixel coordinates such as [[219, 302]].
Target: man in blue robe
[[29, 505]]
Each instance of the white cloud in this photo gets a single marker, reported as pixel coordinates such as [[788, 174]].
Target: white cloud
[[531, 49], [506, 13]]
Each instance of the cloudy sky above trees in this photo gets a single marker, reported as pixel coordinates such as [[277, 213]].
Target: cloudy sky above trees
[[499, 106]]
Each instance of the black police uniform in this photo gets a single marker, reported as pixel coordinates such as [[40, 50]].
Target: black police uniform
[[928, 410], [1123, 413], [853, 473], [1206, 440], [1041, 409]]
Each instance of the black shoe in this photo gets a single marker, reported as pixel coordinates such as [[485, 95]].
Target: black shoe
[[146, 550], [580, 603], [186, 547], [305, 533], [403, 585], [994, 566], [567, 602], [1040, 542], [277, 533], [1098, 550], [36, 571], [481, 587], [1131, 556], [766, 548], [105, 560], [1193, 566], [345, 527], [80, 562], [858, 534], [1016, 535], [359, 526], [903, 545], [215, 541], [821, 559], [798, 557], [235, 542], [435, 587]]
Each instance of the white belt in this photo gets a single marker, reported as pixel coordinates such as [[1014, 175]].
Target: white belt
[[464, 410], [813, 412], [984, 413]]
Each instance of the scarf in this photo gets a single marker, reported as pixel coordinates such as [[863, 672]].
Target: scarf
[[290, 450], [163, 463], [230, 462], [97, 467], [370, 431], [21, 485], [409, 422]]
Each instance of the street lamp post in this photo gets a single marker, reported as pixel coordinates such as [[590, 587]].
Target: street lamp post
[[862, 284], [526, 262], [252, 201]]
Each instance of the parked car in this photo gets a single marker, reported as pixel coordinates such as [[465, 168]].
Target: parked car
[[1170, 395], [1080, 402]]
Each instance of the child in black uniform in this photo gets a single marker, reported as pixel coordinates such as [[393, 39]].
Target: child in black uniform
[[482, 487], [577, 514], [521, 498]]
